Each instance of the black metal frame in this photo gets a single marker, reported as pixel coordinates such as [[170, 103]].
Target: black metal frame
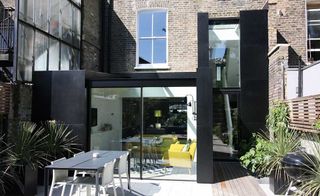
[[139, 80]]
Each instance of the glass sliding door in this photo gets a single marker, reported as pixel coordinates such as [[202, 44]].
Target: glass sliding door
[[157, 125], [116, 122], [169, 133]]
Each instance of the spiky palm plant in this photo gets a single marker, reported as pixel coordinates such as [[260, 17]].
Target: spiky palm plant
[[284, 141], [28, 143], [59, 140], [4, 164], [311, 184]]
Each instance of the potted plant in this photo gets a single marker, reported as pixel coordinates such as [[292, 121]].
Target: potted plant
[[284, 141], [28, 142], [4, 165], [311, 185], [59, 140]]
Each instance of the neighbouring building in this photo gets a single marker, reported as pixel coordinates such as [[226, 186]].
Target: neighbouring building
[[178, 83]]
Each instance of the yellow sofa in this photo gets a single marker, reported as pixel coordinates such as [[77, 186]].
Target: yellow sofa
[[178, 158]]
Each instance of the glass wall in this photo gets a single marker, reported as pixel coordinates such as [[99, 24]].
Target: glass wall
[[56, 26], [156, 124], [225, 125], [224, 53]]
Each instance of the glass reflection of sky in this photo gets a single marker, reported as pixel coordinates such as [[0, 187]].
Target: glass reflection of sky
[[152, 37]]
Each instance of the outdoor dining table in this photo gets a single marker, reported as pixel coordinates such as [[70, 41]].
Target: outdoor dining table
[[86, 162]]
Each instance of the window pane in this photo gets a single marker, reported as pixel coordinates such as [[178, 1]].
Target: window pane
[[40, 14], [159, 24], [75, 59], [66, 57], [66, 21], [25, 53], [145, 24], [41, 52], [313, 15], [54, 18], [26, 10], [314, 31], [76, 26], [159, 51], [315, 44], [224, 54], [314, 56], [145, 50], [54, 55]]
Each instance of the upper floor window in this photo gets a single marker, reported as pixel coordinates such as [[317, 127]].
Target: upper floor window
[[313, 15], [152, 39], [224, 53]]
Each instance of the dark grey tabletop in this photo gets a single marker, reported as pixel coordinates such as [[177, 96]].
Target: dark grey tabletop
[[86, 161]]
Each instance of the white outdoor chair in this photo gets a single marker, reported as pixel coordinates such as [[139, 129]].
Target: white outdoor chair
[[104, 181], [60, 178], [123, 169], [83, 173]]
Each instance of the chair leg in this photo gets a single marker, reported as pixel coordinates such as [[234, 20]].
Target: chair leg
[[129, 185], [63, 189], [71, 190], [88, 188], [79, 190], [104, 191], [51, 190], [121, 184], [114, 188]]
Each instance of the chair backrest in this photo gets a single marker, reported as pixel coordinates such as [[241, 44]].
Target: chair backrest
[[59, 175], [107, 174], [192, 149], [79, 153], [123, 164]]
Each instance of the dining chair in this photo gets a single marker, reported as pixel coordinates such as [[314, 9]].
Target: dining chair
[[104, 181], [60, 178], [123, 169], [76, 172]]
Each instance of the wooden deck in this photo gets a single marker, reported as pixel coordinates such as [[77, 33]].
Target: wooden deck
[[232, 180]]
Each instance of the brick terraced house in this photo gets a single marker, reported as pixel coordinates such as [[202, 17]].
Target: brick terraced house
[[150, 75]]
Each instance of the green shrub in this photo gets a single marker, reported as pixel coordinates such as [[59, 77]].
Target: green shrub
[[257, 155]]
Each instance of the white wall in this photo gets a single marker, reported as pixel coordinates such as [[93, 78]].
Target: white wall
[[311, 80], [292, 83]]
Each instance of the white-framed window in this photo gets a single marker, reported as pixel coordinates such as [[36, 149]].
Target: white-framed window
[[152, 39], [313, 16]]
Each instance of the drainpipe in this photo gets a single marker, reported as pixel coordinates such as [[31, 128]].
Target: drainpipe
[[300, 78]]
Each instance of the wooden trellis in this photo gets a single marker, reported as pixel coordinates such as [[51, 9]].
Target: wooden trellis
[[5, 92], [304, 112]]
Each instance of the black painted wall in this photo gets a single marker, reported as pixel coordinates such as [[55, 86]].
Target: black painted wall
[[204, 104], [254, 71], [61, 96]]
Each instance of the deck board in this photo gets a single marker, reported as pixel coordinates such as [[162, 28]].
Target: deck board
[[232, 180]]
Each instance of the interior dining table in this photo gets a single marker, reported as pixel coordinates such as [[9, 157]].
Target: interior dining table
[[86, 162]]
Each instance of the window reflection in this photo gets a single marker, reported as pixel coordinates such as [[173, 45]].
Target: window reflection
[[41, 52], [25, 53], [224, 53], [40, 14], [59, 18]]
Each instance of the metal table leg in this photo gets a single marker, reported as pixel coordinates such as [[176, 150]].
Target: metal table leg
[[97, 183], [46, 179], [129, 158]]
